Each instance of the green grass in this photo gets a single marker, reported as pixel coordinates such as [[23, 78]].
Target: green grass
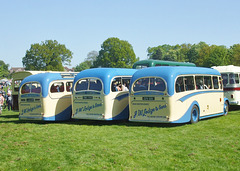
[[212, 144]]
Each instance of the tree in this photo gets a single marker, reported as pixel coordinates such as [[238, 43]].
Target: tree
[[203, 52], [88, 62], [192, 54], [164, 52], [49, 55], [217, 56], [155, 53], [182, 52], [82, 66], [3, 69], [115, 53], [235, 54]]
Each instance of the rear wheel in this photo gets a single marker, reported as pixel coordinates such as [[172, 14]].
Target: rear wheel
[[194, 114], [226, 108]]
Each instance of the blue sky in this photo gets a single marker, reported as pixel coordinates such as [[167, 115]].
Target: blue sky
[[83, 25]]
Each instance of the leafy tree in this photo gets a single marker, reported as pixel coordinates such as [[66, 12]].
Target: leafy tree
[[4, 69], [88, 62], [192, 54], [235, 54], [49, 55], [155, 53], [82, 66], [166, 52], [183, 51], [217, 56], [203, 52], [115, 53]]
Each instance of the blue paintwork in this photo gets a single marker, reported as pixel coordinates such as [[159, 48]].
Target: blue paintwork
[[30, 95], [224, 107], [187, 116], [195, 115], [44, 79], [105, 75], [119, 98], [124, 115], [170, 73], [149, 93], [213, 115], [197, 93], [64, 115]]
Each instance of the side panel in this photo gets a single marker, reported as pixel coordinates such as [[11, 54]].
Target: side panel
[[210, 102], [233, 94], [116, 106], [57, 107]]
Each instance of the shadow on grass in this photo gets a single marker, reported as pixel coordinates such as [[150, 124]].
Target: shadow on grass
[[9, 116], [120, 123], [88, 122]]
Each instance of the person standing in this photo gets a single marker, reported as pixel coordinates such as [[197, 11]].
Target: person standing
[[1, 102], [9, 100]]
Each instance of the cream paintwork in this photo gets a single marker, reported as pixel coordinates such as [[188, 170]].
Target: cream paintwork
[[138, 106], [87, 108], [167, 108], [209, 103], [52, 105], [110, 108], [113, 106], [57, 102]]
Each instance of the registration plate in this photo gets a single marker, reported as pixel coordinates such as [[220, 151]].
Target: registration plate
[[87, 97], [148, 98]]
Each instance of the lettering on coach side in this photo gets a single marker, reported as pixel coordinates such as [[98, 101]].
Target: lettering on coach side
[[147, 112], [30, 109], [88, 108]]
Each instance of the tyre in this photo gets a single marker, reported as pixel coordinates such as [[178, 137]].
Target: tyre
[[225, 108], [194, 114]]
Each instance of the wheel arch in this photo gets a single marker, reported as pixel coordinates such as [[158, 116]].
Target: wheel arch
[[187, 115]]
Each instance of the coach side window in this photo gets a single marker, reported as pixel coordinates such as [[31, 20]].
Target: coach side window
[[225, 79], [69, 86], [215, 83], [207, 82], [199, 82], [233, 78], [57, 87], [185, 83], [179, 86], [189, 83]]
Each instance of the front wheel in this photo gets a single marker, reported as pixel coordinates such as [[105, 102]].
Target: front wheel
[[194, 114], [226, 108]]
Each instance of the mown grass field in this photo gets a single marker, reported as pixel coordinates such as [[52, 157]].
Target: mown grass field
[[212, 144]]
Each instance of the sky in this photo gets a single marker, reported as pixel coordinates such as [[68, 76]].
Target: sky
[[83, 25]]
